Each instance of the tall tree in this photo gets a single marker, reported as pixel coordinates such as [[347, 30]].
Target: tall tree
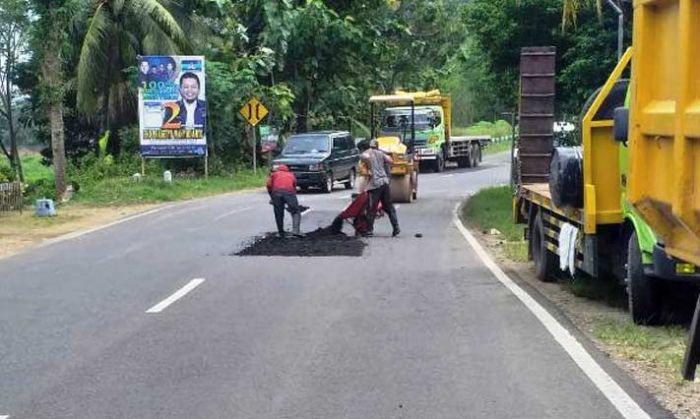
[[14, 26], [51, 42]]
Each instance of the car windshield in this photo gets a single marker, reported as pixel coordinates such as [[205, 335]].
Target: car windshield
[[307, 145], [400, 119]]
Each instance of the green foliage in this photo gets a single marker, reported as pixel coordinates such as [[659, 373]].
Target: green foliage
[[152, 189], [492, 208]]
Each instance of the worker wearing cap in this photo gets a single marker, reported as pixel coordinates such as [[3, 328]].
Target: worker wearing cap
[[379, 164], [282, 187]]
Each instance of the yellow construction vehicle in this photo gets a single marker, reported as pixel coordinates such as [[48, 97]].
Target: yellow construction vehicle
[[399, 145]]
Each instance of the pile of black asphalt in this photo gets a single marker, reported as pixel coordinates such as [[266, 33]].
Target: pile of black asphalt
[[326, 241]]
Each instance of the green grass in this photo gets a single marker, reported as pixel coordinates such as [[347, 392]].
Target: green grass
[[122, 191], [500, 147], [663, 347], [491, 208], [598, 289], [34, 170]]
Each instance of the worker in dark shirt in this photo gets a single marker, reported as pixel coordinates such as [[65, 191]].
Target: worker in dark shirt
[[282, 187]]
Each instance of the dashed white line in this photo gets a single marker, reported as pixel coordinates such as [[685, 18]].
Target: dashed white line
[[236, 211], [176, 296], [622, 401], [450, 175], [4, 417]]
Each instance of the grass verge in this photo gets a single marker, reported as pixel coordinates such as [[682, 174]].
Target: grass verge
[[661, 347], [491, 209], [126, 191], [657, 349]]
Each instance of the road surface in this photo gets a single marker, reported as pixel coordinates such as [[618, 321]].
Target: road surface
[[152, 318]]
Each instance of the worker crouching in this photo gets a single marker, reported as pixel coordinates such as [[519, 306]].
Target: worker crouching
[[282, 187]]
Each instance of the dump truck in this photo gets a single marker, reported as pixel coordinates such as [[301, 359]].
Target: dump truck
[[400, 146], [617, 207], [430, 113]]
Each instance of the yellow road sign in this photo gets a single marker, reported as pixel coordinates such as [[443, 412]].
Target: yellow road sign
[[254, 111]]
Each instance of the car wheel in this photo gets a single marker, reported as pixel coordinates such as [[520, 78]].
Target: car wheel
[[328, 186], [350, 183]]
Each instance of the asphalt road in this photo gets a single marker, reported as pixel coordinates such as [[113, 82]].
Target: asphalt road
[[416, 328]]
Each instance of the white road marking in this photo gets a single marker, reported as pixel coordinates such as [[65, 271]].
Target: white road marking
[[450, 175], [342, 197], [77, 234], [176, 296], [397, 206], [308, 210], [622, 401], [236, 211], [4, 417]]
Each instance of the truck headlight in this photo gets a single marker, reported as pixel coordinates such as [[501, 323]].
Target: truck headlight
[[316, 167]]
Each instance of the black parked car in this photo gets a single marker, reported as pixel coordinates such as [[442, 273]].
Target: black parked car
[[319, 159]]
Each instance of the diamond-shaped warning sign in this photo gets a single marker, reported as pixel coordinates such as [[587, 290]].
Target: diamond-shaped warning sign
[[254, 111]]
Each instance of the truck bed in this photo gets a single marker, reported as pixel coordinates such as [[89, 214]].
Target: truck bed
[[538, 193]]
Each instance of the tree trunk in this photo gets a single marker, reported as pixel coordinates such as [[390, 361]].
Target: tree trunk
[[53, 79], [58, 148]]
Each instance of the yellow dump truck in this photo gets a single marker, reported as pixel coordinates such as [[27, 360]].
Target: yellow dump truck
[[664, 134], [627, 203]]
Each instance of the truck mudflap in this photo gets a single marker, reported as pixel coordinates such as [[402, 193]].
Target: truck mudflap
[[670, 268]]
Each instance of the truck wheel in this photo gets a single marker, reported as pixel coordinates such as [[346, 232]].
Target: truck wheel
[[474, 153], [479, 153], [439, 164], [545, 262], [401, 190], [463, 162], [643, 291]]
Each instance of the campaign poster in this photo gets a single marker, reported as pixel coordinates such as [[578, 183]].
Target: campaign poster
[[172, 106]]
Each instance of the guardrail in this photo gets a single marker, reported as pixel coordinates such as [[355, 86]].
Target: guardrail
[[11, 197]]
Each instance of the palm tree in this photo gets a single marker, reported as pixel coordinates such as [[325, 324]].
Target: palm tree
[[116, 32]]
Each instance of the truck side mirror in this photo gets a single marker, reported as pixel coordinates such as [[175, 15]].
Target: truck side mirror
[[621, 124]]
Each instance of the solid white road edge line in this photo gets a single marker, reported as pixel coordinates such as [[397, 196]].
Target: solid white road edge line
[[624, 404], [176, 296], [236, 211], [77, 234]]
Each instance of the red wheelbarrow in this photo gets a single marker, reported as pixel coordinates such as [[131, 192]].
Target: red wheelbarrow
[[356, 214]]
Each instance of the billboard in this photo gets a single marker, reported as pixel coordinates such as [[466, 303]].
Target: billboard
[[172, 106]]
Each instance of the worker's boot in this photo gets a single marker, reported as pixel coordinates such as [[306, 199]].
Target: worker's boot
[[296, 225]]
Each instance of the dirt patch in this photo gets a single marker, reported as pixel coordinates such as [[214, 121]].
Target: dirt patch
[[322, 242], [20, 232], [680, 397]]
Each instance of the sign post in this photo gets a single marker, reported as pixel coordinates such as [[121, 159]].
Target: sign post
[[254, 112]]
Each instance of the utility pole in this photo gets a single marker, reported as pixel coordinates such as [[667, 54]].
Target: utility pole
[[620, 27]]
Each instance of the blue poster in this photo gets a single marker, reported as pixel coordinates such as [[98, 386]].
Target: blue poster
[[172, 106]]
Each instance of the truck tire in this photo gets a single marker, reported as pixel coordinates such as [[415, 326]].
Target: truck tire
[[401, 190], [545, 262], [463, 162], [439, 163], [643, 291], [475, 155]]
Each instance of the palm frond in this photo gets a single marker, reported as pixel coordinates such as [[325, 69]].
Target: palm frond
[[92, 60], [572, 8], [154, 11]]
